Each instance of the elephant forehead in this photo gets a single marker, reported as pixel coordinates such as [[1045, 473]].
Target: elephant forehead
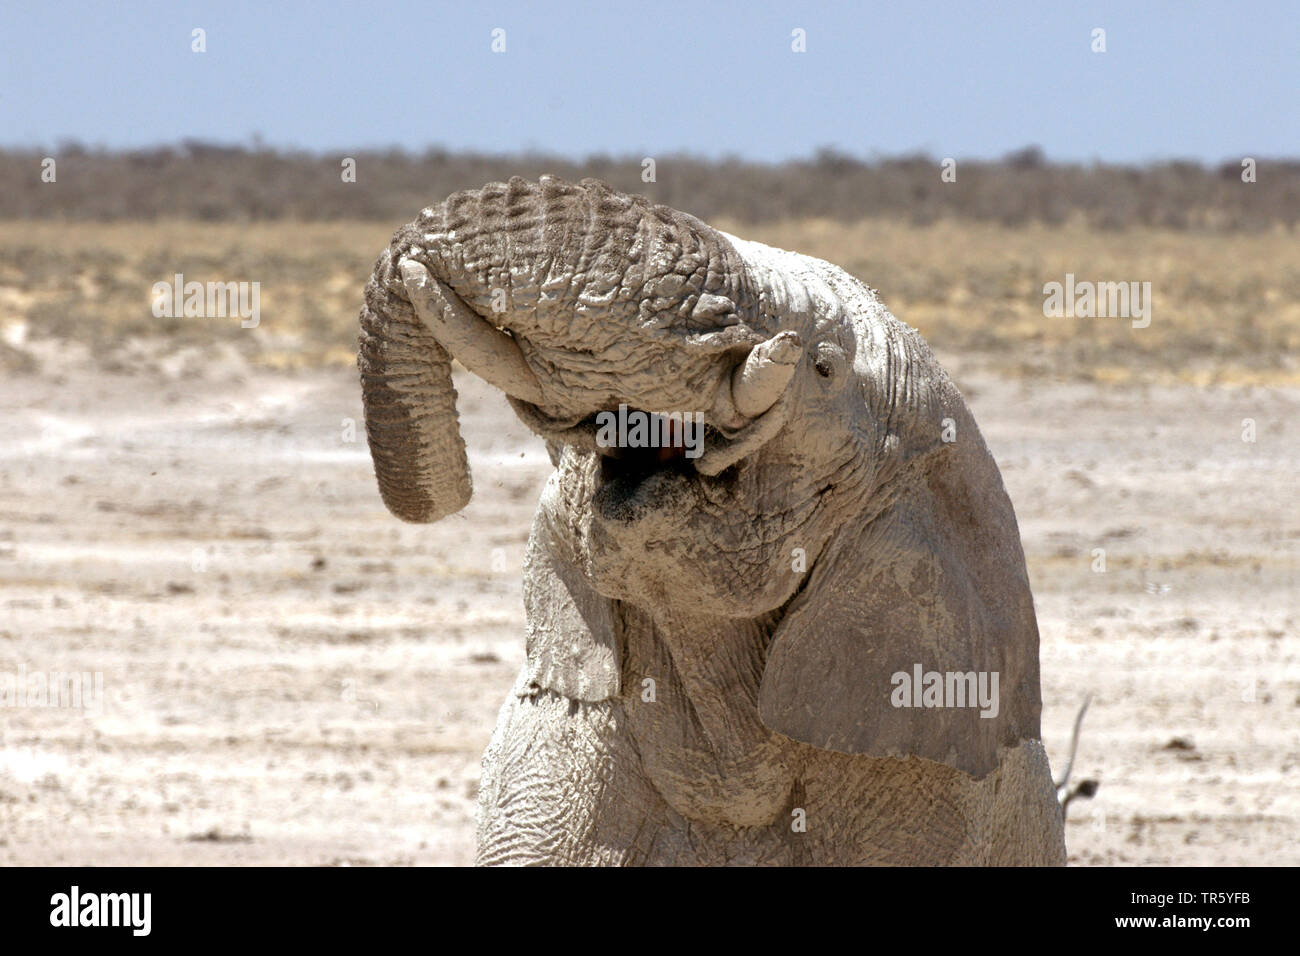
[[592, 353], [803, 292]]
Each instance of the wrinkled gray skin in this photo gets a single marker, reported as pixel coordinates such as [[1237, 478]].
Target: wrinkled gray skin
[[694, 692]]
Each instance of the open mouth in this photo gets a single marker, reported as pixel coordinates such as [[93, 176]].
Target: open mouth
[[634, 478], [631, 486], [706, 453], [631, 465], [633, 482], [636, 473]]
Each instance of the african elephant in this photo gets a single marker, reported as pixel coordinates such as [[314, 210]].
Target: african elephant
[[744, 655]]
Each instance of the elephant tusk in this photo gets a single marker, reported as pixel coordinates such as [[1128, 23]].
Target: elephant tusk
[[486, 351], [758, 381]]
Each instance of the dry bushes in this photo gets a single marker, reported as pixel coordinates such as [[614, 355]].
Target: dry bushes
[[208, 182]]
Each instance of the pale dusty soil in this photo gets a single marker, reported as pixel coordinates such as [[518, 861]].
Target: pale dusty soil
[[291, 675]]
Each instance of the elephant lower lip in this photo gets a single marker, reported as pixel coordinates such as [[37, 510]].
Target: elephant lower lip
[[626, 493]]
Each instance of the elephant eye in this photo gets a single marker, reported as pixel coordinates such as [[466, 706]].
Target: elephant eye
[[824, 367]]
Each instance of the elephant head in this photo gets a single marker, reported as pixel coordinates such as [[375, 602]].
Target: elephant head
[[843, 494]]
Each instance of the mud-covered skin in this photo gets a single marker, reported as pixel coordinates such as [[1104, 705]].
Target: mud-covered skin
[[564, 783], [711, 642], [684, 771]]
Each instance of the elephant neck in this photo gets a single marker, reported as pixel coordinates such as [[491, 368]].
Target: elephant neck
[[691, 694]]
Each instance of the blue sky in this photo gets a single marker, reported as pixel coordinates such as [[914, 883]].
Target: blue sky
[[1205, 81]]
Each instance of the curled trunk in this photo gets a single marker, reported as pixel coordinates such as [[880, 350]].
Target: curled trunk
[[410, 405], [579, 275]]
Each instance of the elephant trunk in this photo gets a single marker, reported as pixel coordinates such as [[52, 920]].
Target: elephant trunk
[[410, 404], [565, 271]]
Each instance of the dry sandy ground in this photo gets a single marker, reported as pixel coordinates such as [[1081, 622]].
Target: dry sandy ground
[[291, 675]]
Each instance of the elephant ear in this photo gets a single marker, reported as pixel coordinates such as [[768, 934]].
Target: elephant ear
[[933, 585], [573, 642]]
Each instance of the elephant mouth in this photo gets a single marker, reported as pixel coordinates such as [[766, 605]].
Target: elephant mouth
[[625, 488], [635, 471], [629, 478], [631, 483], [635, 464]]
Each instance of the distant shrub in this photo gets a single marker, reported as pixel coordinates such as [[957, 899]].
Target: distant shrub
[[213, 182]]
